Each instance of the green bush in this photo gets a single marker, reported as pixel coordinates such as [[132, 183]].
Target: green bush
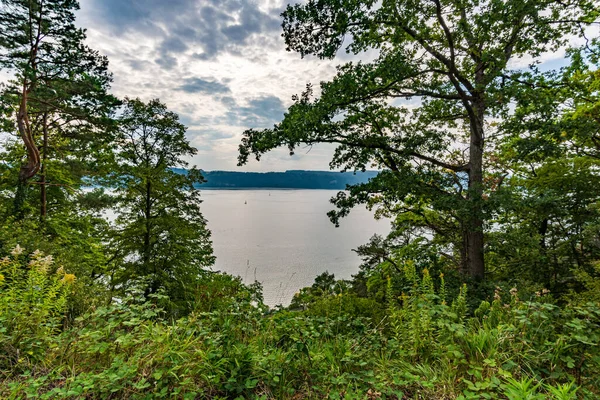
[[420, 344], [33, 301]]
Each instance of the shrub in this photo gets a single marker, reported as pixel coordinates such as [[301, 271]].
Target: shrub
[[33, 300]]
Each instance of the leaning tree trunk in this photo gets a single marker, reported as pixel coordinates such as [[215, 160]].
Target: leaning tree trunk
[[32, 165]]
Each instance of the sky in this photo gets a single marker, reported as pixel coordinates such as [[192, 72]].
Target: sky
[[220, 64]]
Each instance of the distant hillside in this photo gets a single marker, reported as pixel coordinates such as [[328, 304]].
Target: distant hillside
[[296, 179]]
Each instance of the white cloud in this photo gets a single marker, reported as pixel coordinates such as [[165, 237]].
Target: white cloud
[[221, 82], [220, 64]]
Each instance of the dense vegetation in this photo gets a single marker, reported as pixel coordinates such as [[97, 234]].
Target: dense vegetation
[[488, 285]]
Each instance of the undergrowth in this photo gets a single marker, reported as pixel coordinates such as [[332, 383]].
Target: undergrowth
[[418, 345]]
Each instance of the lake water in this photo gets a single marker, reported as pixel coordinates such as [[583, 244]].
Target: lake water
[[283, 238]]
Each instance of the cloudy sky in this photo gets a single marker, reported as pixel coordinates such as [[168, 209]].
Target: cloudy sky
[[220, 64]]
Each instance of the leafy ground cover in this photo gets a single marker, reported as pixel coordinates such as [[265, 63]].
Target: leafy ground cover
[[418, 344]]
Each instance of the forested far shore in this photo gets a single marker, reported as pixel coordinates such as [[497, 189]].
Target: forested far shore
[[296, 179]]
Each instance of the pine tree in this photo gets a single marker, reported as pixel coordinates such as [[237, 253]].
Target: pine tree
[[57, 99]]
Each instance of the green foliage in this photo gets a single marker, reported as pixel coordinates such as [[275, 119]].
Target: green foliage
[[487, 169], [221, 291], [57, 103], [75, 242], [325, 286], [450, 61], [348, 305], [161, 235], [551, 223], [547, 214], [33, 303], [420, 346], [591, 284]]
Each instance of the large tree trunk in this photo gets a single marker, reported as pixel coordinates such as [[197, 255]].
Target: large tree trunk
[[474, 239]]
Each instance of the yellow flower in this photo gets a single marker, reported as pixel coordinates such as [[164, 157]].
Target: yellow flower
[[68, 278], [1, 278]]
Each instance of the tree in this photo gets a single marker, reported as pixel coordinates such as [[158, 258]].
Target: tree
[[450, 60], [55, 124], [162, 235], [549, 219], [58, 99]]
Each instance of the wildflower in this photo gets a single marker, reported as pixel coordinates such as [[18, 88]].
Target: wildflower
[[60, 270], [513, 291], [545, 291], [68, 278], [538, 294], [44, 263], [497, 294], [17, 251], [1, 278]]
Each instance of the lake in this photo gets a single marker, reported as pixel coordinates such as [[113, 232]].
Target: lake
[[283, 238]]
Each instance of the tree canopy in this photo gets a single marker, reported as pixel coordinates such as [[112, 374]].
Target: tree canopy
[[57, 98], [423, 109], [161, 233]]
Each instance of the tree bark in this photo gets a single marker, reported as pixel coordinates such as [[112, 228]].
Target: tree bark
[[542, 230], [474, 237], [32, 165], [43, 192], [147, 214], [464, 259]]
